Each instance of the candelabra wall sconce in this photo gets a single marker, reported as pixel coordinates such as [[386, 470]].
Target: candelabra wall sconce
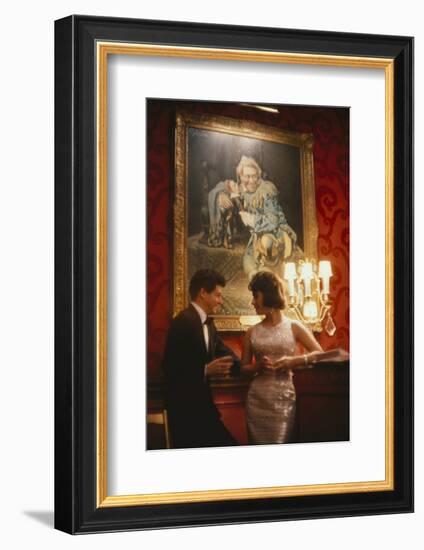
[[308, 294]]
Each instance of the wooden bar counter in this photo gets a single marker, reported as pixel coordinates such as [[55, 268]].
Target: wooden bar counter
[[322, 407]]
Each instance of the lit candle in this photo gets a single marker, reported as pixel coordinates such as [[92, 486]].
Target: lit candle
[[306, 274], [290, 276], [324, 273]]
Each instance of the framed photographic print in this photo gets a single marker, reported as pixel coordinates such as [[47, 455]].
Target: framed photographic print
[[233, 274]]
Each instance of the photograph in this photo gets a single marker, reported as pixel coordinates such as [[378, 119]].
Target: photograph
[[248, 274]]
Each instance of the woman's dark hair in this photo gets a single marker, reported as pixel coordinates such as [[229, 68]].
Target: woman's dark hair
[[207, 279], [271, 287]]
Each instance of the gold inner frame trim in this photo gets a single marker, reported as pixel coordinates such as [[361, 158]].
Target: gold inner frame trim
[[103, 49]]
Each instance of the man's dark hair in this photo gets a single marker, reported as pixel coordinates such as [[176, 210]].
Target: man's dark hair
[[207, 279], [271, 287]]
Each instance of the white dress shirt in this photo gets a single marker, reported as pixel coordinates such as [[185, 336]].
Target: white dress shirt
[[203, 318]]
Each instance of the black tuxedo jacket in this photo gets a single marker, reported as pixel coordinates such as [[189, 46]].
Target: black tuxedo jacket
[[193, 417]]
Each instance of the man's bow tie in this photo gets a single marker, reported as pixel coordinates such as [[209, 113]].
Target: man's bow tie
[[208, 321]]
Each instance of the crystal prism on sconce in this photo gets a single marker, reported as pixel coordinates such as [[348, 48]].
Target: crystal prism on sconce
[[308, 292]]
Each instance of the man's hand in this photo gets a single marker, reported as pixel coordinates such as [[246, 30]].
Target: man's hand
[[224, 202], [220, 366]]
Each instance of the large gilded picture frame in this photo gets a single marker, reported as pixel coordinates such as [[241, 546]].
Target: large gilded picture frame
[[192, 252], [85, 308]]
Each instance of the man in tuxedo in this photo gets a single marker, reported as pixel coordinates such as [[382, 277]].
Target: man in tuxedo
[[194, 353]]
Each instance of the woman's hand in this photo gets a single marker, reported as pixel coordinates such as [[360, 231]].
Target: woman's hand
[[266, 364], [313, 357], [285, 362]]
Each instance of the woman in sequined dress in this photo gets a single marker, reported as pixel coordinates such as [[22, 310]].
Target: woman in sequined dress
[[269, 353]]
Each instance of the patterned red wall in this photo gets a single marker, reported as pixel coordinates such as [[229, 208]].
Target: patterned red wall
[[330, 128]]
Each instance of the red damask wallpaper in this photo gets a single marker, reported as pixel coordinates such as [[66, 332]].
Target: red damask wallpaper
[[330, 127]]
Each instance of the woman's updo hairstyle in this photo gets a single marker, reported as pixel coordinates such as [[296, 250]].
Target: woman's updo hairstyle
[[271, 287]]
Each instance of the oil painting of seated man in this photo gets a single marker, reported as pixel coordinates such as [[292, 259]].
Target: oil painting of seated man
[[255, 202], [271, 237], [245, 207]]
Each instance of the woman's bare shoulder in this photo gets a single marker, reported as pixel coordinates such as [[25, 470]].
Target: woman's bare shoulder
[[251, 330], [297, 326]]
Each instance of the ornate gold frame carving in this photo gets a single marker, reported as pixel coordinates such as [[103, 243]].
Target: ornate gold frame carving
[[244, 128]]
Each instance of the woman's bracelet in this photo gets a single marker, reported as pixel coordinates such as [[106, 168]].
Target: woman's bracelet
[[305, 360]]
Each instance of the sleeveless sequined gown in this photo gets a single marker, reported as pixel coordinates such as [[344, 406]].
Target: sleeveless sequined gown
[[271, 399]]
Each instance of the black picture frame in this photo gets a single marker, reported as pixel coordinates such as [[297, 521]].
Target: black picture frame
[[77, 508]]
